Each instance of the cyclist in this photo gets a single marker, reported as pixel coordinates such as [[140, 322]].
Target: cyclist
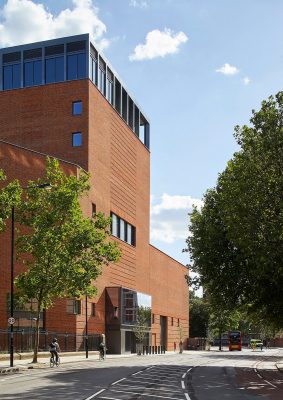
[[102, 350], [54, 349]]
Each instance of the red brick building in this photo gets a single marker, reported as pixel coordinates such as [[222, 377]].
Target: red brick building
[[61, 98]]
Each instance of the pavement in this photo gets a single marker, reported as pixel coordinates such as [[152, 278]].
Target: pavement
[[23, 361]]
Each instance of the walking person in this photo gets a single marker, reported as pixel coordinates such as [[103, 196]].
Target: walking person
[[54, 349]]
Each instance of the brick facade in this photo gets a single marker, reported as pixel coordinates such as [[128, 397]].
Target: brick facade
[[40, 120]]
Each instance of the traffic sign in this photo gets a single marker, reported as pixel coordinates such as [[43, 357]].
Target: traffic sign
[[11, 320]]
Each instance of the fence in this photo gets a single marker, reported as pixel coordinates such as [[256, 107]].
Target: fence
[[24, 341]]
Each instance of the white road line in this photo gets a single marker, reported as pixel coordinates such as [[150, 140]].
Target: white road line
[[183, 376], [153, 379], [270, 383], [120, 380], [136, 373], [147, 395], [156, 384], [95, 394], [189, 370], [110, 398], [147, 388], [187, 396], [183, 384]]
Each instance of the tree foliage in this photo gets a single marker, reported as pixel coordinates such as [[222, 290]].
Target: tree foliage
[[61, 250], [198, 316], [236, 241]]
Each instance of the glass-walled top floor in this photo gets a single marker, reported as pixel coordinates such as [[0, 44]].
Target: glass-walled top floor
[[66, 59]]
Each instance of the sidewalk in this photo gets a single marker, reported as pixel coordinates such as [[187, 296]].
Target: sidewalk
[[24, 360]]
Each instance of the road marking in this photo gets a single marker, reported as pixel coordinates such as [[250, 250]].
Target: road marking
[[156, 384], [270, 383], [145, 389], [95, 394], [261, 377], [187, 396], [147, 395], [189, 370], [183, 376], [183, 384], [120, 380], [136, 373]]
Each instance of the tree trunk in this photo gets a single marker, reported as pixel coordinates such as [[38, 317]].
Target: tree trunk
[[220, 339], [36, 344]]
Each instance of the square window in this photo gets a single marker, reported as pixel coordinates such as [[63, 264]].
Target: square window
[[77, 139], [77, 107]]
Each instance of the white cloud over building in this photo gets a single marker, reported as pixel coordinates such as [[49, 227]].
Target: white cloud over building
[[169, 217], [158, 44], [25, 21]]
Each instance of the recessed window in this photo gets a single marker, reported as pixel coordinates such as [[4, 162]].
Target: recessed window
[[77, 107], [172, 321], [93, 309], [77, 307], [33, 73], [77, 139], [76, 66], [153, 318], [123, 230], [54, 69], [93, 211], [178, 322], [11, 76]]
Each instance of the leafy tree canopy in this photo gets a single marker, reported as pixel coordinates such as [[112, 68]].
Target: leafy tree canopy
[[61, 250], [236, 241]]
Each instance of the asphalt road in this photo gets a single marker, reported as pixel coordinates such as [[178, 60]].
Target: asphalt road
[[192, 376]]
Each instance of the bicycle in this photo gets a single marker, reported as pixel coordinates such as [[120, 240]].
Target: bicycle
[[53, 362], [101, 354]]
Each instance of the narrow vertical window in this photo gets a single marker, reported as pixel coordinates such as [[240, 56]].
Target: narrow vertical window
[[153, 318], [77, 139], [118, 96], [93, 209], [102, 76], [124, 105], [77, 107], [114, 225], [122, 230], [172, 321], [110, 86], [93, 310]]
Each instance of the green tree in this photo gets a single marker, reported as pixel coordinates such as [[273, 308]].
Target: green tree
[[198, 316], [236, 241], [61, 250], [10, 195], [140, 329]]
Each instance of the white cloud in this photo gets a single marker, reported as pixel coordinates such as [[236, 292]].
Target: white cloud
[[246, 80], [228, 69], [169, 217], [24, 21], [175, 203], [158, 44], [138, 3]]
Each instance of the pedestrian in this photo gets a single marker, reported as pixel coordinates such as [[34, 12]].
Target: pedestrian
[[181, 347]]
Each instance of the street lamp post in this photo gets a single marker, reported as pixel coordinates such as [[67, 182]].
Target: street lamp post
[[42, 186], [86, 329], [12, 288]]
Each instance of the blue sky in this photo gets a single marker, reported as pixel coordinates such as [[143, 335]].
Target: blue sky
[[197, 68]]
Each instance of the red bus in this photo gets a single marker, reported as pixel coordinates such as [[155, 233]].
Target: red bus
[[235, 340]]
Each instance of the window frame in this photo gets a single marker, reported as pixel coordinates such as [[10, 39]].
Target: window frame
[[73, 107], [73, 139]]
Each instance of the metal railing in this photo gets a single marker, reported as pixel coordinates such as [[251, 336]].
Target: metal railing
[[24, 341]]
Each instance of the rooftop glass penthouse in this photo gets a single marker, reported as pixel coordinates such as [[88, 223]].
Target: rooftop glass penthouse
[[65, 59]]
